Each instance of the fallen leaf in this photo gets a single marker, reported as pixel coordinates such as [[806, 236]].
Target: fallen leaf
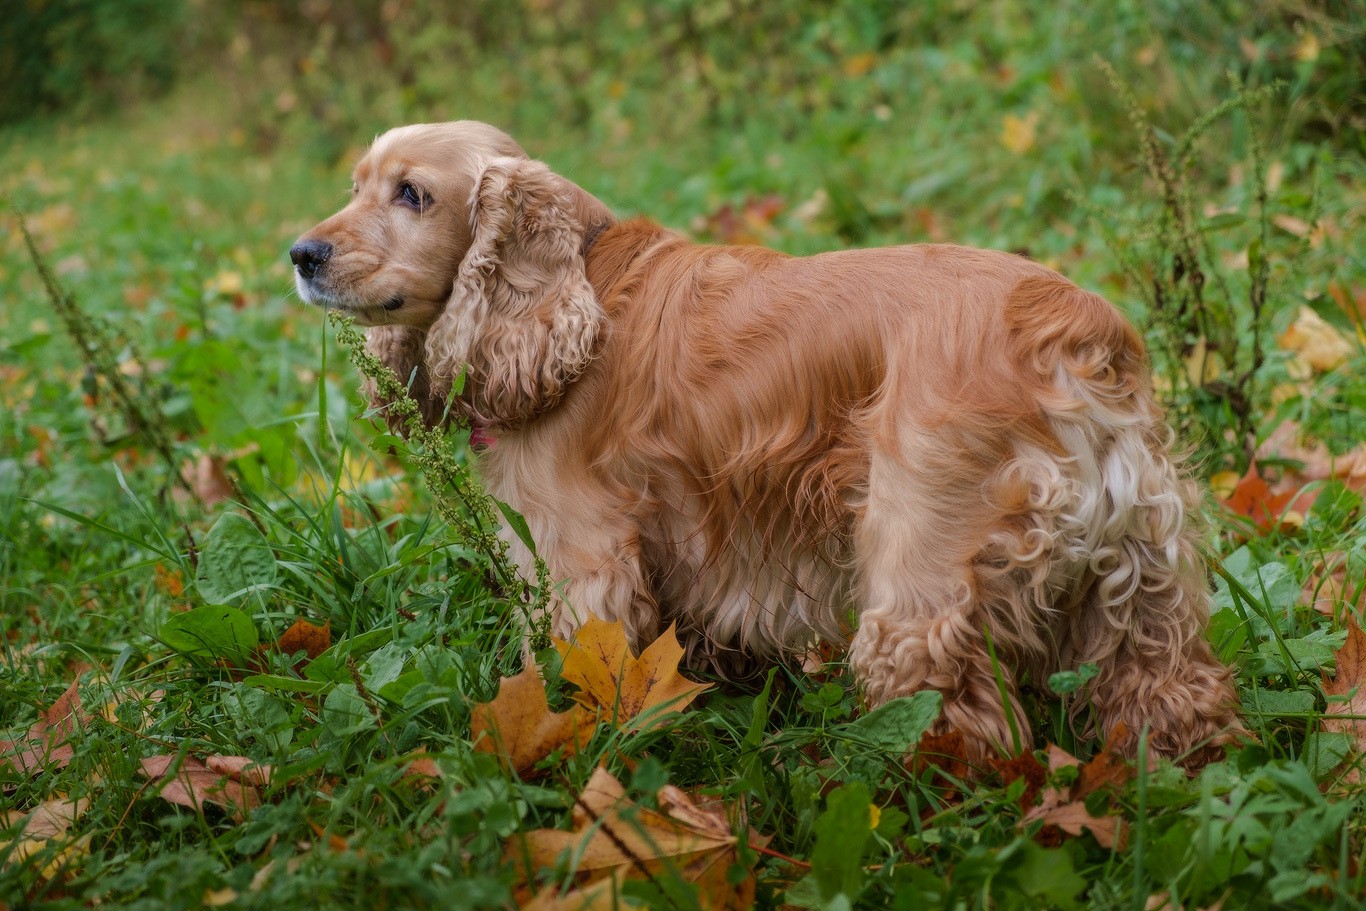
[[1315, 342], [1203, 366], [599, 662], [1329, 589], [519, 727], [231, 786], [48, 820], [1223, 484], [1347, 692], [748, 225], [45, 745], [306, 637], [422, 767], [208, 477], [614, 839], [1254, 499], [1289, 442], [1066, 807], [1073, 818]]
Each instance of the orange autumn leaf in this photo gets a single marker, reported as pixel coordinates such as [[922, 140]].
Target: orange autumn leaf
[[615, 839], [306, 637], [599, 662], [519, 727], [1254, 499]]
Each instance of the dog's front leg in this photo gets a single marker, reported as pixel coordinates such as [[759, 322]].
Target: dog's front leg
[[594, 564]]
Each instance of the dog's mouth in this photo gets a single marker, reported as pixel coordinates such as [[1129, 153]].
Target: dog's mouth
[[311, 292]]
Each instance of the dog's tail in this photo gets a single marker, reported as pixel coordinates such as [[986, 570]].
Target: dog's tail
[[1098, 527]]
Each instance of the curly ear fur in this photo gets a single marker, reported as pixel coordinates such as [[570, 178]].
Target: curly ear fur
[[522, 315], [402, 349]]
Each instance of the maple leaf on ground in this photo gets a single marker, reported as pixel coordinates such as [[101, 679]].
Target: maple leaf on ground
[[599, 662], [1347, 690], [45, 745], [230, 782], [519, 727], [615, 839], [1253, 498]]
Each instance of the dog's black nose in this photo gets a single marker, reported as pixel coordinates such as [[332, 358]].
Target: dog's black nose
[[309, 255]]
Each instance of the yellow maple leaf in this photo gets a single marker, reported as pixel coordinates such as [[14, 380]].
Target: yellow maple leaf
[[599, 662], [519, 727]]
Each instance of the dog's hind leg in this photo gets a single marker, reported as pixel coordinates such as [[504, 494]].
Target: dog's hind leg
[[921, 625]]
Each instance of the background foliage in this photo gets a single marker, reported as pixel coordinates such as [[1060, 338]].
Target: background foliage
[[191, 479]]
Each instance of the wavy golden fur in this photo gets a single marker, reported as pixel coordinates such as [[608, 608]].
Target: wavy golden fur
[[930, 452]]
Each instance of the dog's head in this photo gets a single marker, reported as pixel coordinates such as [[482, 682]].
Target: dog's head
[[462, 254]]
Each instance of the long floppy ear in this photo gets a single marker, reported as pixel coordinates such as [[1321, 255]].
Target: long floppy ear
[[403, 350], [522, 317]]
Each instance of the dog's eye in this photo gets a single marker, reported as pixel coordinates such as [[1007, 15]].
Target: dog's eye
[[412, 197]]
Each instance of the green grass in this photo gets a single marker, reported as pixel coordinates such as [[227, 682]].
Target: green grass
[[984, 123]]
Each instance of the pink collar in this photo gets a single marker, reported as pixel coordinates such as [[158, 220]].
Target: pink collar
[[482, 438]]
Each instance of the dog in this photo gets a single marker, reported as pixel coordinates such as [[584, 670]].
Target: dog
[[949, 459]]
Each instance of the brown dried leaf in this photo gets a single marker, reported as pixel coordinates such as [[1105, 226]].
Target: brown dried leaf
[[194, 784], [614, 839], [48, 820], [306, 637], [519, 727], [45, 745], [599, 662], [1073, 818], [1349, 685], [1066, 807], [208, 477], [1329, 589]]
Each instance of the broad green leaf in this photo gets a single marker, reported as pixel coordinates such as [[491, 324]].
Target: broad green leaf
[[1278, 702], [235, 559], [1305, 655], [842, 831], [898, 725], [1071, 681], [385, 665], [213, 632], [1046, 875], [285, 684], [345, 712], [330, 666]]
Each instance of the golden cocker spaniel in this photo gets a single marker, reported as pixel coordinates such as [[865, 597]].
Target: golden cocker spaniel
[[948, 458]]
